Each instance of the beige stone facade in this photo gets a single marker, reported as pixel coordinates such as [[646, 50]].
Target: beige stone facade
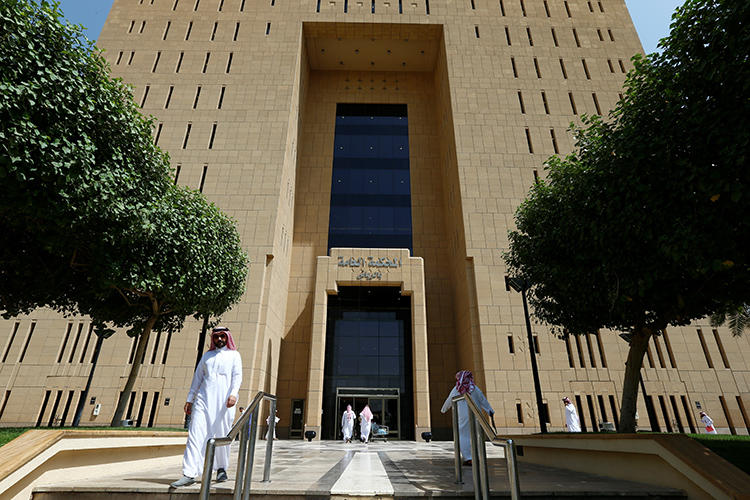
[[244, 93]]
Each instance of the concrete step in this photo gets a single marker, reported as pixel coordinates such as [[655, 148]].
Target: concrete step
[[328, 469]]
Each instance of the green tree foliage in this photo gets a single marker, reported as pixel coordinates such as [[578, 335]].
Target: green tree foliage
[[737, 319], [644, 225]]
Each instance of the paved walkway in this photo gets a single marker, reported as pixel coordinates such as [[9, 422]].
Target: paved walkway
[[404, 469]]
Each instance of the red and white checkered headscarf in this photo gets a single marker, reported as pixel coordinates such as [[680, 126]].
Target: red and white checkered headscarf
[[230, 340], [465, 382]]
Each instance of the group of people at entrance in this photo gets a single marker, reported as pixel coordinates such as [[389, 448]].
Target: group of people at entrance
[[365, 424]]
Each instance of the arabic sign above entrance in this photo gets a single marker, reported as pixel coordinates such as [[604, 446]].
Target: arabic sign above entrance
[[370, 262]]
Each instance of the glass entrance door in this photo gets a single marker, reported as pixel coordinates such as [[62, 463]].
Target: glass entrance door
[[384, 405]]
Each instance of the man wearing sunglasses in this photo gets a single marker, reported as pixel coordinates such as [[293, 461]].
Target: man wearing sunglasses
[[211, 404]]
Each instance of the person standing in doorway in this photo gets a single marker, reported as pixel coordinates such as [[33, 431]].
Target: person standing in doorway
[[465, 385], [572, 422], [347, 424], [708, 422], [211, 404], [268, 423], [365, 423]]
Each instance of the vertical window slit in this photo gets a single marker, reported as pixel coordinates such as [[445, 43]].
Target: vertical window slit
[[221, 97], [213, 136], [519, 413], [55, 405], [75, 343], [372, 6], [572, 103], [129, 413], [28, 340], [43, 408], [236, 32], [536, 68], [242, 6], [676, 411], [622, 65], [10, 341], [502, 8], [511, 347], [203, 176], [554, 37], [132, 25], [177, 173], [86, 344], [169, 97], [536, 175], [213, 31], [472, 4], [130, 59], [141, 409], [601, 7], [688, 413], [568, 349], [586, 69], [615, 413], [205, 62], [158, 134], [5, 403], [68, 400], [602, 408], [557, 151], [545, 103], [513, 65], [727, 415], [197, 3], [567, 8], [156, 347], [427, 7], [669, 348], [592, 359], [221, 5], [317, 7], [581, 413], [187, 135], [154, 406], [740, 404], [528, 34], [476, 31], [723, 353], [268, 28], [611, 35], [528, 141], [507, 36], [581, 359], [523, 8], [179, 62], [592, 413], [166, 348], [611, 68], [535, 338], [229, 61], [601, 349], [562, 68], [596, 103], [143, 25], [166, 30], [145, 95], [575, 36], [189, 29], [520, 103], [650, 357], [174, 6], [599, 33], [659, 354], [197, 97], [546, 8], [156, 62], [591, 7], [65, 342], [133, 345], [705, 349], [119, 58]]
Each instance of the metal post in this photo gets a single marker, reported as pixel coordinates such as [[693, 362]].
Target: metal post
[[474, 453], [241, 457], [510, 458], [457, 445], [534, 369], [269, 443], [250, 453], [481, 462], [208, 466]]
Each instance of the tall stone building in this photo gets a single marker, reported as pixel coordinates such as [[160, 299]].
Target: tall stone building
[[373, 153]]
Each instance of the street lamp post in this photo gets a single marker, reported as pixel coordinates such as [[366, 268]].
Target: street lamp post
[[520, 285]]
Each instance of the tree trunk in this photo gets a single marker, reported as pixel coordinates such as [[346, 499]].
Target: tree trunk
[[85, 395], [638, 346], [125, 395]]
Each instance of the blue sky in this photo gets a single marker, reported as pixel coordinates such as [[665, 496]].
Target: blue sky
[[651, 17]]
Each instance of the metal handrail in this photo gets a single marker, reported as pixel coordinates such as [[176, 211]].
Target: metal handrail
[[247, 428], [479, 451]]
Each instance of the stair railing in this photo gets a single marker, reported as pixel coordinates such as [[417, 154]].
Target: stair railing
[[247, 428], [479, 428]]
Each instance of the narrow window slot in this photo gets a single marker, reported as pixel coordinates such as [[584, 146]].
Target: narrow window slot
[[213, 31], [581, 359], [427, 7], [317, 8], [205, 62], [535, 338], [596, 103], [562, 68], [528, 141], [174, 6], [372, 6], [611, 35], [567, 9], [668, 344], [10, 341], [156, 62], [546, 8], [177, 173], [158, 134], [68, 400], [602, 356], [536, 68], [727, 415], [676, 411], [575, 36], [129, 413], [581, 413], [145, 95], [601, 7], [169, 97], [476, 31], [197, 97], [236, 32], [472, 4], [133, 344], [5, 403], [189, 29], [586, 69], [589, 348], [55, 405], [544, 102], [554, 37], [513, 65], [592, 413], [599, 33], [143, 25], [659, 354], [572, 103], [28, 341], [650, 357], [132, 25], [154, 406], [520, 103], [511, 347], [502, 8], [705, 349], [523, 8], [43, 408], [166, 30], [65, 342], [166, 348], [242, 6], [179, 62], [141, 408], [203, 177], [545, 408], [688, 414], [156, 347], [221, 97], [75, 343], [221, 5], [611, 67], [86, 344], [602, 408], [229, 62], [531, 39], [268, 28], [213, 136], [615, 412], [568, 349], [591, 7], [622, 65], [197, 3], [740, 404], [519, 413], [557, 152], [130, 59], [723, 353], [507, 36], [187, 135], [119, 58]]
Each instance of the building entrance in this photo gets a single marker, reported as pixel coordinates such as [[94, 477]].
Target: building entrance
[[385, 406], [368, 359]]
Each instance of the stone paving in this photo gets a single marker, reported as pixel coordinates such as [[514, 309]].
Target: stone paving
[[329, 468]]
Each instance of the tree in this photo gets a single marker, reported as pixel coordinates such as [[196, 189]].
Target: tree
[[77, 161], [736, 318], [643, 225]]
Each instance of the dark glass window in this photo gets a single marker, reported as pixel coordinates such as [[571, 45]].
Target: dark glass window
[[370, 187]]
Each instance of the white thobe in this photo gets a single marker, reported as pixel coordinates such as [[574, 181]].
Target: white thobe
[[463, 417], [218, 376], [364, 428], [709, 424], [268, 423], [347, 424], [571, 418]]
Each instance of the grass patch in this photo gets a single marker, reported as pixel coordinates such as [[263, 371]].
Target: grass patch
[[8, 434], [733, 449]]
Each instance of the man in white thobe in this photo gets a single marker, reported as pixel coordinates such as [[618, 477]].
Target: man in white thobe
[[365, 423], [268, 423], [572, 422], [465, 384], [347, 424], [211, 404], [708, 422]]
